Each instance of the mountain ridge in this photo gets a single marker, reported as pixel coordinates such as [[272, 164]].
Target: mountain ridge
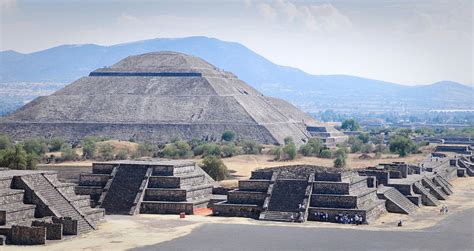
[[66, 63]]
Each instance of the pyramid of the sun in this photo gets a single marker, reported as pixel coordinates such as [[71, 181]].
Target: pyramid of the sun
[[157, 97]]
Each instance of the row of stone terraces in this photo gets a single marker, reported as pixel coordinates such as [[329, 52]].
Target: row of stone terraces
[[249, 199], [344, 194], [155, 187], [35, 207]]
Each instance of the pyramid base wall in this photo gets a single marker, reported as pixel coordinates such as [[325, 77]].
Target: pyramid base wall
[[138, 132]]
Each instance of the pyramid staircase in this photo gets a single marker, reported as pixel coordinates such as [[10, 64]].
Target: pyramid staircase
[[396, 202], [444, 184], [121, 196], [285, 201], [435, 190], [427, 198], [57, 201]]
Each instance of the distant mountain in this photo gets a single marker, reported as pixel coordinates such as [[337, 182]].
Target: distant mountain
[[67, 63]]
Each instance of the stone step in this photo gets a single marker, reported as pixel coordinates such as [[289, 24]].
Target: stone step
[[9, 196], [17, 211]]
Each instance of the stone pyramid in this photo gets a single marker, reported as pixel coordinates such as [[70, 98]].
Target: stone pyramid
[[157, 97]]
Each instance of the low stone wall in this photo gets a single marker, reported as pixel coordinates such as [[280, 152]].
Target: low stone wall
[[328, 176], [69, 225], [246, 197], [405, 189], [254, 185], [86, 179], [159, 194], [333, 201], [236, 210], [23, 235], [329, 187], [103, 168], [164, 182], [149, 207], [261, 175], [54, 231]]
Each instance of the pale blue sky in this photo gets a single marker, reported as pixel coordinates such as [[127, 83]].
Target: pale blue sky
[[408, 42]]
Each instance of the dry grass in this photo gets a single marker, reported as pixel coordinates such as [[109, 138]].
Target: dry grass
[[118, 145]]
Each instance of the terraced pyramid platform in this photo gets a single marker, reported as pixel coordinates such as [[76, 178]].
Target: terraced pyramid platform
[[35, 207], [147, 187], [157, 97]]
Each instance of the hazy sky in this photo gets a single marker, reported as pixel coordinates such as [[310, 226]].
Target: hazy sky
[[404, 41]]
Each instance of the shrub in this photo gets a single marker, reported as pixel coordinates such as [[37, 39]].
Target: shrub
[[122, 154], [366, 148], [184, 150], [401, 145], [341, 152], [214, 166], [106, 152], [56, 144], [277, 153], [31, 161], [35, 146], [68, 154], [326, 153], [251, 147], [312, 148], [5, 142], [340, 162], [290, 151], [145, 149], [350, 125], [228, 136], [88, 147], [288, 140], [14, 158], [207, 149], [229, 150], [364, 137]]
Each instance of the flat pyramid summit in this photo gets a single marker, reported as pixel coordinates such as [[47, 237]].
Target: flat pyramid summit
[[156, 97]]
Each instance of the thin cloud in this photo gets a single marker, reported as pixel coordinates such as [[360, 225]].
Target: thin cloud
[[313, 17]]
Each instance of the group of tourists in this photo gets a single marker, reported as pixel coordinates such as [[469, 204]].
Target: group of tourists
[[341, 218], [443, 210]]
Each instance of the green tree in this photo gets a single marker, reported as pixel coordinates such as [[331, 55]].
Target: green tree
[[56, 144], [326, 153], [68, 154], [31, 161], [364, 137], [288, 140], [228, 136], [106, 152], [5, 142], [229, 150], [88, 147], [350, 125], [341, 152], [207, 149], [250, 147], [340, 162], [14, 158], [37, 146], [145, 149], [312, 148], [401, 144], [214, 166], [276, 153], [289, 151]]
